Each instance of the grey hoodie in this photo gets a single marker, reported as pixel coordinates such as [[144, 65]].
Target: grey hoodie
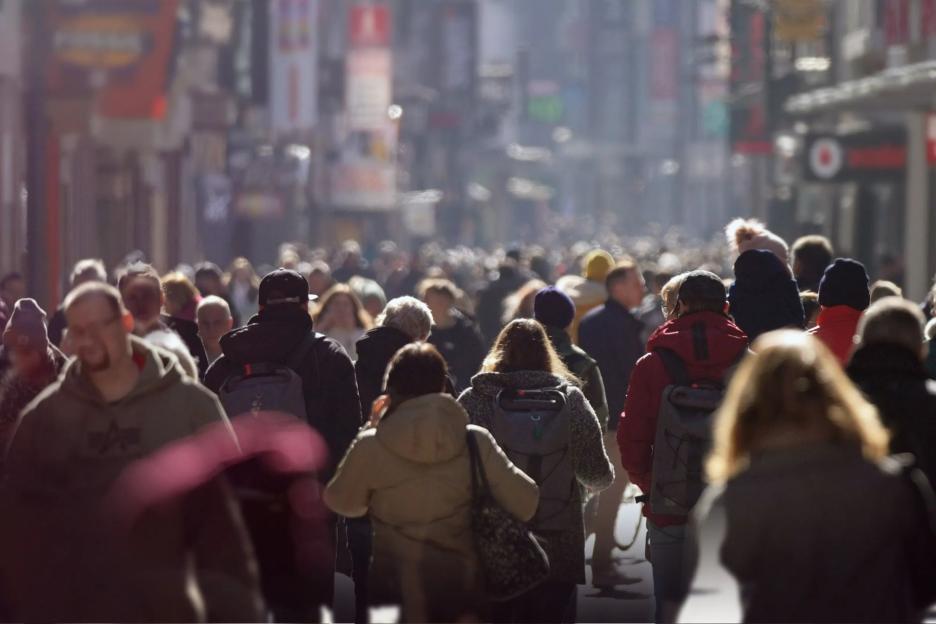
[[65, 557]]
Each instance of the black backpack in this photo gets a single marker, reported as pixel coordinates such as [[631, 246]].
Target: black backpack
[[683, 437]]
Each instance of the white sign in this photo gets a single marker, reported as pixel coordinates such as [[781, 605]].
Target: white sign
[[369, 88], [293, 65], [826, 158]]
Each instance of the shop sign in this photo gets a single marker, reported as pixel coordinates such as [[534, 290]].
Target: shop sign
[[293, 65], [121, 50], [798, 20], [876, 155]]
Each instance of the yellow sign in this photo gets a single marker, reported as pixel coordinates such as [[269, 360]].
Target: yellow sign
[[798, 20], [105, 42]]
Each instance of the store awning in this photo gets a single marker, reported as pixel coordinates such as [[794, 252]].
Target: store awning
[[902, 88]]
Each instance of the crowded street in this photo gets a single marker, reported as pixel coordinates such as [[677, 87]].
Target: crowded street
[[509, 311]]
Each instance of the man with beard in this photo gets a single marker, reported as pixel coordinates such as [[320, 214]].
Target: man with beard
[[66, 556]]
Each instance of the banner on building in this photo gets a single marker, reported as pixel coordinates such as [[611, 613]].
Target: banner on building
[[293, 65], [798, 20], [862, 156], [369, 88], [363, 177], [120, 50]]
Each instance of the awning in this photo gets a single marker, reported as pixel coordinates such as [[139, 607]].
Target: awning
[[902, 88]]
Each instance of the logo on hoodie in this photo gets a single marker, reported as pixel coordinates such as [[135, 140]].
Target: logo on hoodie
[[114, 439]]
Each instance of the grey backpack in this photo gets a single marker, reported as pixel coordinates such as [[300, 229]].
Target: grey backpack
[[683, 438], [532, 426], [269, 386]]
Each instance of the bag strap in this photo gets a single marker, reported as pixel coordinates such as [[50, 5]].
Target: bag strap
[[297, 357], [674, 365], [479, 482]]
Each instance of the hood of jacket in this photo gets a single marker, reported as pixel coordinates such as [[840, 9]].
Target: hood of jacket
[[160, 370], [707, 342], [270, 336], [490, 384], [427, 430], [880, 362]]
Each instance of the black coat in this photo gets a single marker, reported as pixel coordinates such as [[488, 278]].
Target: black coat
[[491, 303], [188, 332], [331, 395], [896, 381], [612, 335], [463, 349], [375, 350]]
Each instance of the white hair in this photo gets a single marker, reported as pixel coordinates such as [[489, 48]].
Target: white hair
[[408, 314], [213, 301]]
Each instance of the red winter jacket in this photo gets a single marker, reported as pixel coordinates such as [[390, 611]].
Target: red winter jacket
[[710, 358], [836, 328]]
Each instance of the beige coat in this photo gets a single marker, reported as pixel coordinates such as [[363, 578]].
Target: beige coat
[[412, 475]]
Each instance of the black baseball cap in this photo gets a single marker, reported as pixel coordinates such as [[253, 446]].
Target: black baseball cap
[[283, 286], [702, 287]]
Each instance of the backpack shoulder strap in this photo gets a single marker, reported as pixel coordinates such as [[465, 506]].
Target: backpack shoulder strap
[[674, 365], [479, 482], [298, 356]]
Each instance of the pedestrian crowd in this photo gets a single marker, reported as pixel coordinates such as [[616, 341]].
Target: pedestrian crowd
[[447, 427]]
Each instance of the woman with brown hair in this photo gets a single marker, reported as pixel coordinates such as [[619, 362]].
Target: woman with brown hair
[[410, 471], [181, 296], [342, 317], [532, 405], [804, 516]]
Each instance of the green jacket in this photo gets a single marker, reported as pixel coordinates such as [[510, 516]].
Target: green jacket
[[65, 556], [585, 368]]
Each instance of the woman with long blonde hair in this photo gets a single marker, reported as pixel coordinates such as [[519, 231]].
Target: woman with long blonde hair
[[532, 405], [342, 317], [805, 517]]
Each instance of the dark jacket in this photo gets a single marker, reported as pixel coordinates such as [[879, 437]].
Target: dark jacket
[[16, 393], [764, 296], [813, 534], [585, 368], [612, 335], [593, 469], [188, 332], [895, 380], [491, 303], [333, 407], [462, 347], [375, 350], [709, 344]]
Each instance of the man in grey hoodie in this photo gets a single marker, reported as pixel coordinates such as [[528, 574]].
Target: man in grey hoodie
[[67, 555]]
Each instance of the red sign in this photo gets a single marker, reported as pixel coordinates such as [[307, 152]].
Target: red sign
[[121, 51], [370, 26], [931, 138]]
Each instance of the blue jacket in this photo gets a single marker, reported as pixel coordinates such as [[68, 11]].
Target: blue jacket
[[612, 336]]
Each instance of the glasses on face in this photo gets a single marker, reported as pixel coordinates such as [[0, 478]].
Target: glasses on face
[[93, 329]]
